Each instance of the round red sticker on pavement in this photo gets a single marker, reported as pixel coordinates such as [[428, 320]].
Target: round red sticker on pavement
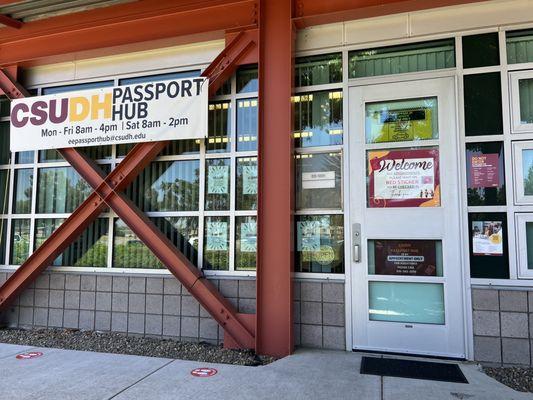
[[27, 356], [203, 372]]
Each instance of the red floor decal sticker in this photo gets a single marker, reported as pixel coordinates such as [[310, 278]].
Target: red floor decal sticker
[[203, 372], [27, 356]]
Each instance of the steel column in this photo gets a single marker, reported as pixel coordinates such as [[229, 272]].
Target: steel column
[[275, 238], [239, 330]]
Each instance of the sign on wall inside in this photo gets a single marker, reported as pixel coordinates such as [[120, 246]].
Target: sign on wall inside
[[484, 171], [487, 238], [405, 257], [144, 112], [404, 178]]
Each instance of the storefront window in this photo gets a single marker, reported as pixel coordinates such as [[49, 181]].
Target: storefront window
[[219, 126], [247, 124], [216, 243], [318, 119], [247, 80], [485, 174], [401, 59], [22, 191], [129, 251], [318, 181], [60, 190], [20, 241], [320, 243], [88, 250], [481, 50], [402, 120], [489, 256], [245, 243], [167, 186], [318, 70], [483, 104], [217, 184], [246, 191], [520, 46]]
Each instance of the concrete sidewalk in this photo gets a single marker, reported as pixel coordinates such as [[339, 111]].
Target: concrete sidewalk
[[309, 374]]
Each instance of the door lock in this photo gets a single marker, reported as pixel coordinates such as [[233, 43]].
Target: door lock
[[356, 233]]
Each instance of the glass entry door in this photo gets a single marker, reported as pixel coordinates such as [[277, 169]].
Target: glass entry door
[[406, 270]]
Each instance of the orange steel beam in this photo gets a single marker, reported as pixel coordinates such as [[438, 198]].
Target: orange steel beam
[[239, 328], [123, 24], [275, 239], [11, 22], [318, 12]]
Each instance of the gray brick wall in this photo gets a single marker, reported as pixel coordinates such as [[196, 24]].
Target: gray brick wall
[[160, 307], [503, 326], [136, 305], [319, 315]]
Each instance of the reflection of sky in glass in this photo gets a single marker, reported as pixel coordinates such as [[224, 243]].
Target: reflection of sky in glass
[[527, 161]]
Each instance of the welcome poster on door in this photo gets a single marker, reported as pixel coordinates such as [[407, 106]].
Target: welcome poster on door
[[404, 178]]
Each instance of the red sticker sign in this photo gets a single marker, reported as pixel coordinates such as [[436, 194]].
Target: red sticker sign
[[27, 356], [203, 372]]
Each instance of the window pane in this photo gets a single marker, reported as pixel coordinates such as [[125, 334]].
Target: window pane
[[419, 303], [405, 257], [318, 70], [527, 171], [216, 243], [20, 241], [3, 241], [5, 154], [81, 86], [183, 233], [159, 77], [246, 183], [219, 127], [402, 120], [88, 250], [217, 184], [50, 155], [483, 104], [529, 244], [485, 174], [245, 243], [481, 50], [401, 59], [5, 107], [525, 88], [407, 177], [225, 89], [318, 181], [22, 192], [320, 244], [24, 157], [519, 47], [247, 115], [174, 148], [4, 190], [489, 255], [318, 119], [247, 79], [129, 251], [167, 186], [60, 190]]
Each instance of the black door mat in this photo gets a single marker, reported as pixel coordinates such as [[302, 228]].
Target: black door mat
[[432, 371]]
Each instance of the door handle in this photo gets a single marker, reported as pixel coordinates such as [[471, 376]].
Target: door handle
[[356, 240], [356, 254]]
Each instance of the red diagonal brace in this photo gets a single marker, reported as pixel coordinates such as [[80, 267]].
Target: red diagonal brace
[[107, 191]]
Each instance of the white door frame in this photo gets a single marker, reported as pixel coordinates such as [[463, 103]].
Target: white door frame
[[459, 143]]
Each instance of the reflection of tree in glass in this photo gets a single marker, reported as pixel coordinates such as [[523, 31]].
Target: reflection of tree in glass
[[528, 181]]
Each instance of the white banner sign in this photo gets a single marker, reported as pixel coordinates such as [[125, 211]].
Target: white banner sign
[[144, 112]]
